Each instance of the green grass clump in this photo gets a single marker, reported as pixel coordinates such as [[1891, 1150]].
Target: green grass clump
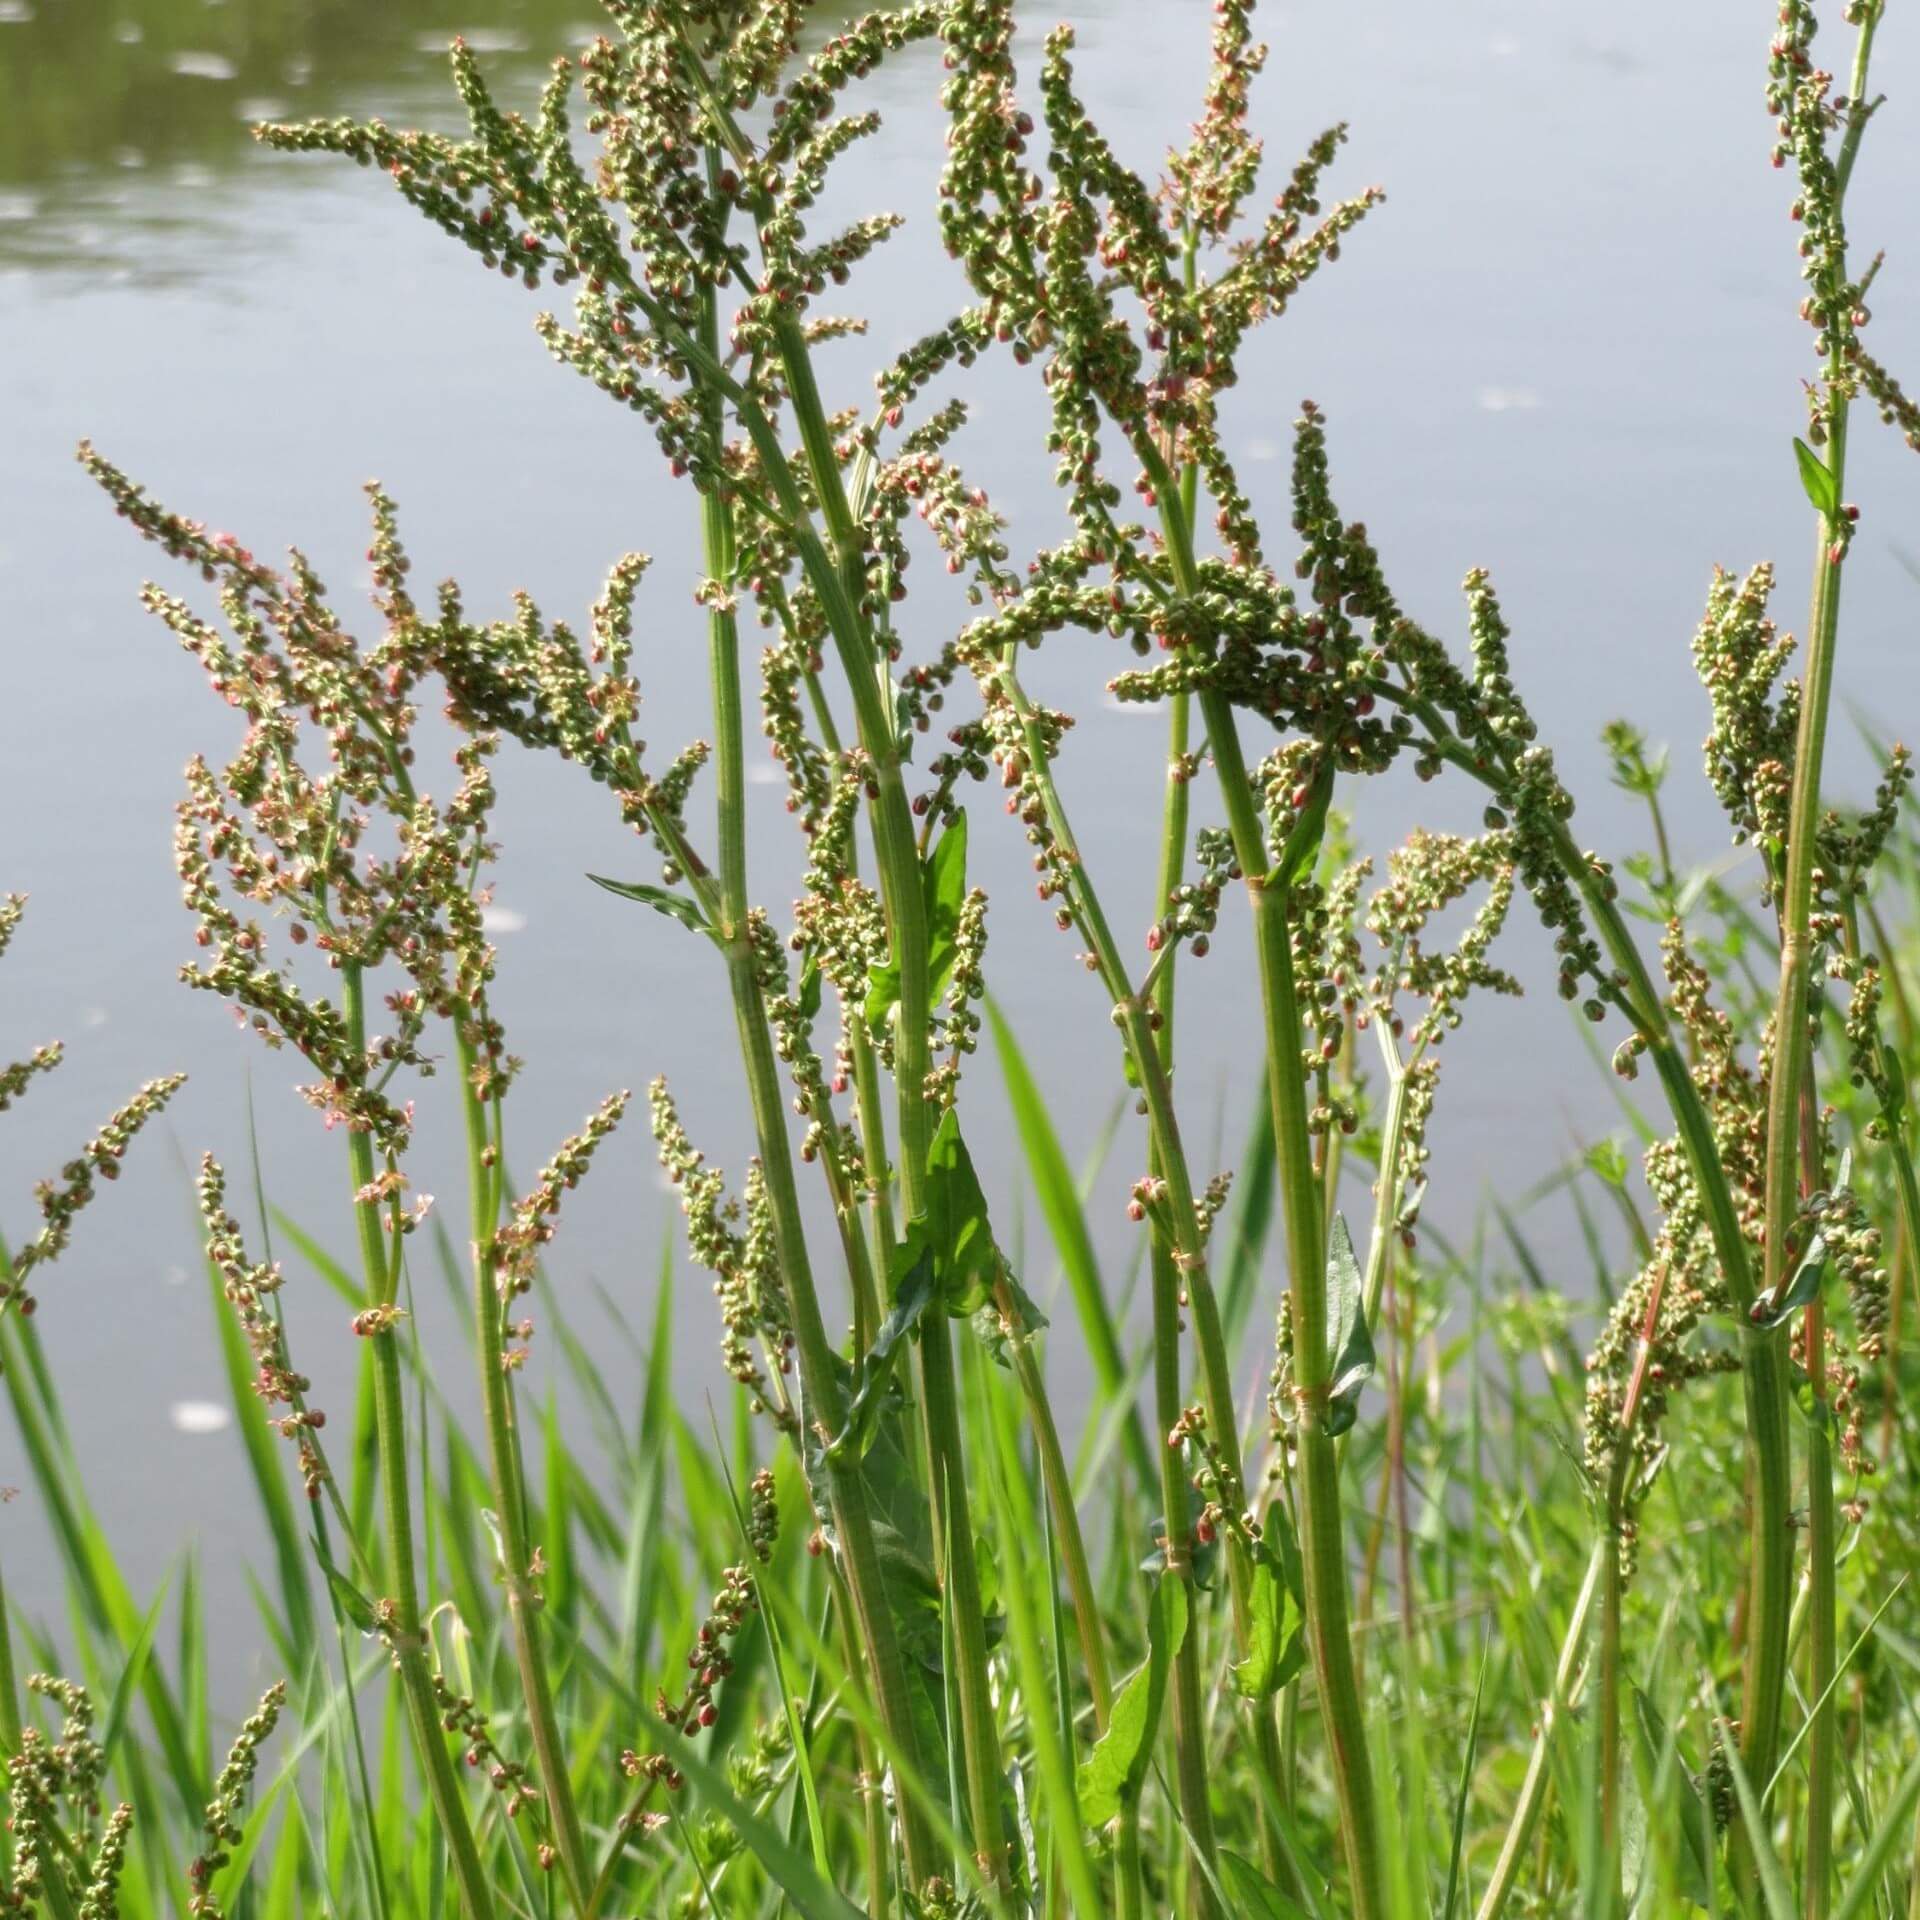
[[1371, 1594]]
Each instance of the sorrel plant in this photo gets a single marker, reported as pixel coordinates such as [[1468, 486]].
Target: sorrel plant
[[972, 1694]]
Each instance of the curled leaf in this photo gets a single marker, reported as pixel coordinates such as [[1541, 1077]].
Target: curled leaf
[[676, 906]]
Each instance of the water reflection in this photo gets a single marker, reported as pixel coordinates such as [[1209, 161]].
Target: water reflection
[[124, 123]]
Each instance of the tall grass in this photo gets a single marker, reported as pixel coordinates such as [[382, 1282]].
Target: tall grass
[[905, 1640]]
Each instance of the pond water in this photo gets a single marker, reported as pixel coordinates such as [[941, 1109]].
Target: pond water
[[1564, 349]]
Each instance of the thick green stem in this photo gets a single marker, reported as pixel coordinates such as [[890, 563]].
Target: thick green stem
[[1613, 1592], [862, 657], [825, 1409], [509, 1491], [1790, 1079], [1322, 1534], [1762, 1702], [1822, 1545], [873, 1804], [406, 1635], [1179, 1257]]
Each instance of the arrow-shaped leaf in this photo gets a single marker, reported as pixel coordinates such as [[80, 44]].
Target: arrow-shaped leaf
[[966, 1261], [1112, 1773], [353, 1603], [1276, 1648], [1817, 477], [943, 887], [1349, 1345]]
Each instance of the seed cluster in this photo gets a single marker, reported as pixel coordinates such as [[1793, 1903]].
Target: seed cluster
[[60, 1200], [71, 1863], [709, 1662], [227, 1808], [252, 1290], [746, 1280]]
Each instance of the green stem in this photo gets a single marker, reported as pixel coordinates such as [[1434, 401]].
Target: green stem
[[1763, 1366], [407, 1636], [1533, 1790], [1190, 1731], [903, 897], [825, 1407], [509, 1486], [873, 1142], [873, 1806], [1066, 1519], [1790, 1078], [1822, 1545], [1322, 1535], [1613, 1593], [868, 1274], [1178, 1254]]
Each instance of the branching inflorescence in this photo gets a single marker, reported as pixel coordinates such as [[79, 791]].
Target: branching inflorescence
[[670, 182]]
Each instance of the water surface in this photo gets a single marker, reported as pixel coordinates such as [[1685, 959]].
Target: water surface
[[1565, 349]]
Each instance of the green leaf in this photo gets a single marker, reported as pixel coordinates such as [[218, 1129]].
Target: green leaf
[[675, 905], [1303, 840], [809, 999], [1660, 1763], [1255, 1897], [1766, 1863], [945, 882], [883, 993], [1066, 1219], [990, 1324], [1803, 1287], [1871, 1862], [914, 1291], [787, 1868], [1276, 1645], [1349, 1344], [1817, 477], [353, 1603], [1113, 1772], [131, 1675], [1456, 1854], [1608, 1159], [1203, 1557], [943, 887], [966, 1261]]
